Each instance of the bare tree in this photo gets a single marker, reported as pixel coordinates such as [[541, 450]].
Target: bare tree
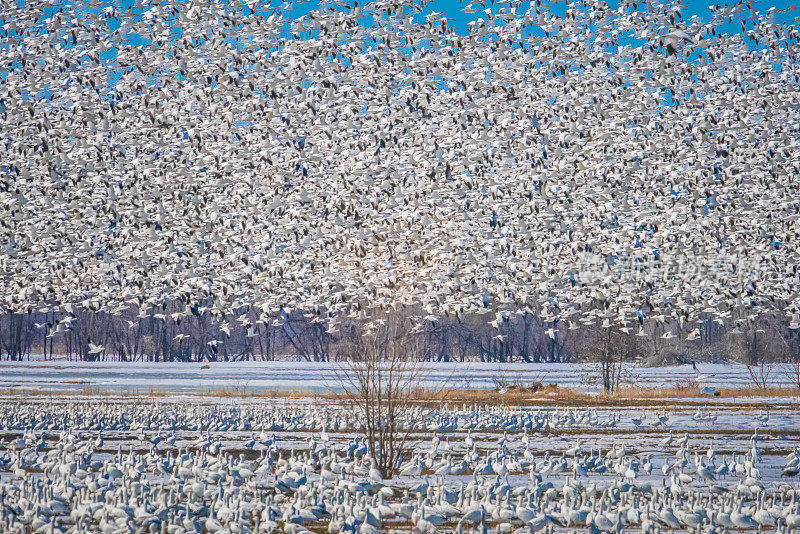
[[16, 335], [609, 348], [760, 341], [760, 373], [308, 339], [382, 372], [792, 373]]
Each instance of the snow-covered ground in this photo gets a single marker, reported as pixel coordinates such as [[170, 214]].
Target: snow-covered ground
[[265, 453], [319, 376], [247, 450]]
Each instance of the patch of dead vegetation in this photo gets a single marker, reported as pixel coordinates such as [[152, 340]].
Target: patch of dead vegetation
[[681, 395], [666, 398]]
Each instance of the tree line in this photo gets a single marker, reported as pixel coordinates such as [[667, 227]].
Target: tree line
[[193, 334]]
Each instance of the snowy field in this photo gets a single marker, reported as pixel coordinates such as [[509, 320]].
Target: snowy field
[[313, 376], [264, 465], [189, 462]]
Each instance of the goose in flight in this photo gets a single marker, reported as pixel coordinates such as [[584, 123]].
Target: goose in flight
[[366, 158], [699, 377]]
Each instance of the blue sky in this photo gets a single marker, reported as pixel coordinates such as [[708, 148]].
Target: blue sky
[[459, 20], [452, 9]]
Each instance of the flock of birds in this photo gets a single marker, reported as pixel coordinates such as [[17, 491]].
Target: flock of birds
[[74, 467], [128, 418], [599, 163]]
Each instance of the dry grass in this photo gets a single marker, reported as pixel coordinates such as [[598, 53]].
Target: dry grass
[[244, 391], [512, 396], [155, 392], [682, 394], [640, 396], [755, 392]]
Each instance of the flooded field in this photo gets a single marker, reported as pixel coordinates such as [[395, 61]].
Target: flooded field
[[260, 377], [194, 464]]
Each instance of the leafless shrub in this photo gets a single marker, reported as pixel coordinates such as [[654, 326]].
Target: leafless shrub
[[687, 386], [379, 379], [791, 372], [609, 348], [504, 378], [760, 373]]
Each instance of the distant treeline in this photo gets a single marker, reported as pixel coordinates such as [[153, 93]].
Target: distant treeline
[[194, 335]]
